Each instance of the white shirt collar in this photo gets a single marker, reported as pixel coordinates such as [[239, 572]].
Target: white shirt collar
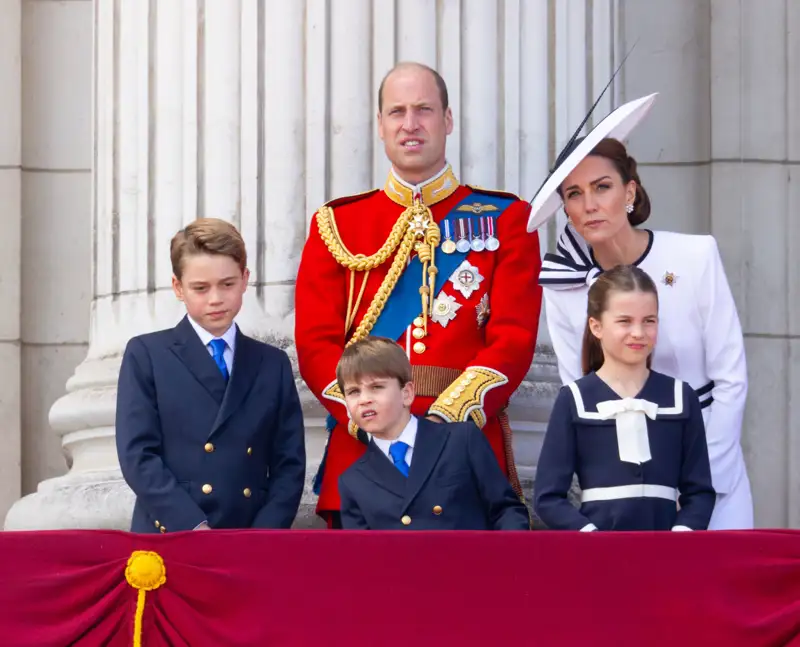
[[408, 436], [229, 335], [417, 188]]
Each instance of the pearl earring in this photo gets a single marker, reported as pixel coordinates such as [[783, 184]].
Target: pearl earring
[[629, 208]]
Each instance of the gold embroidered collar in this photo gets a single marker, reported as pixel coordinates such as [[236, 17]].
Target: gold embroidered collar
[[439, 187]]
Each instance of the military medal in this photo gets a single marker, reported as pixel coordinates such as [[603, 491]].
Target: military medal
[[476, 243], [448, 246], [669, 279], [463, 244], [444, 309], [492, 244], [466, 279]]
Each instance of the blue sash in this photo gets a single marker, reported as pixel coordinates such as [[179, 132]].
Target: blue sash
[[403, 304]]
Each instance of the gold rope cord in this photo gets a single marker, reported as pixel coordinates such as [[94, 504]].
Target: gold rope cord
[[330, 236], [416, 230]]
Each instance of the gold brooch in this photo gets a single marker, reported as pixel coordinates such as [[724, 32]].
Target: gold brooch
[[669, 279]]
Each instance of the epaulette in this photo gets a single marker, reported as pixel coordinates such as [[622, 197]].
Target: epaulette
[[502, 194], [347, 199]]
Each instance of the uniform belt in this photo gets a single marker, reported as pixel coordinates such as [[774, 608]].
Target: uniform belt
[[637, 491], [432, 381]]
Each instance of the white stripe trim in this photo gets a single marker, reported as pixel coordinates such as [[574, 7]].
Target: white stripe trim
[[582, 413], [678, 408], [641, 490], [593, 415]]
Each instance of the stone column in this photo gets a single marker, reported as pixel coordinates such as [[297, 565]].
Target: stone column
[[184, 109], [259, 112], [673, 147], [755, 200], [10, 257]]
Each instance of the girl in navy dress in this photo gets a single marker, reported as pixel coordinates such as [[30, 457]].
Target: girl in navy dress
[[634, 437]]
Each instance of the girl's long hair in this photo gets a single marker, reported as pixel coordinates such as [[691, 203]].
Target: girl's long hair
[[622, 278]]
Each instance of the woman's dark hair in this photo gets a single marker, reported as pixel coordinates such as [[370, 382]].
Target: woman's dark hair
[[616, 153], [622, 278]]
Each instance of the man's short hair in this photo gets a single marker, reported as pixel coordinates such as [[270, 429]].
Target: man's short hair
[[373, 357], [440, 84], [207, 236]]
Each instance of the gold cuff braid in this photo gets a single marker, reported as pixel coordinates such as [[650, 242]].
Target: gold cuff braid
[[333, 392], [463, 399]]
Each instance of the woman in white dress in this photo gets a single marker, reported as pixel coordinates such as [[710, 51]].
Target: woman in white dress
[[700, 337]]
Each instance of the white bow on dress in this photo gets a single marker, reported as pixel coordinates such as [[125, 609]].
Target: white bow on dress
[[631, 418]]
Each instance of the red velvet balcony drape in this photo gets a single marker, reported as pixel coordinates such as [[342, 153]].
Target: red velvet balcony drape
[[326, 588]]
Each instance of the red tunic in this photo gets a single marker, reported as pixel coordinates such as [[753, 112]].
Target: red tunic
[[485, 351]]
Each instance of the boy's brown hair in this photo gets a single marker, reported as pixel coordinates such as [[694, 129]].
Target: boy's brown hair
[[373, 357], [207, 236]]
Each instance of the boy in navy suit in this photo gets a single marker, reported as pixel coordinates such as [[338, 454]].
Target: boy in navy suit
[[416, 474], [209, 428]]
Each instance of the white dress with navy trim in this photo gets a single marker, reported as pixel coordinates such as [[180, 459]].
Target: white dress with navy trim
[[635, 458], [700, 341]]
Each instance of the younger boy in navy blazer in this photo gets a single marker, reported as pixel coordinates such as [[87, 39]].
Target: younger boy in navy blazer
[[415, 474], [209, 428]]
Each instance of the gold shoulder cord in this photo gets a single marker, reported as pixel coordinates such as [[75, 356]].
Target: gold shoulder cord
[[414, 230]]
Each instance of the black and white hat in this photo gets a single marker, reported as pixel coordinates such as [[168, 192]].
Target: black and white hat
[[617, 125]]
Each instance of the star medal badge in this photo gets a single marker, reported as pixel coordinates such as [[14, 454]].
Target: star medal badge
[[476, 241], [669, 279], [444, 309], [448, 246], [462, 245], [466, 279], [483, 311], [492, 243]]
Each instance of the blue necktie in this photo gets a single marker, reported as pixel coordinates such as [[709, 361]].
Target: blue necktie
[[398, 453], [218, 348]]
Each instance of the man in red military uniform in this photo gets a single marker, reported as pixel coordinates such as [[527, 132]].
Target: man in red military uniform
[[446, 269]]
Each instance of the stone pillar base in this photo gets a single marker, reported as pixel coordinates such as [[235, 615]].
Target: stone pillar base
[[103, 500], [89, 500]]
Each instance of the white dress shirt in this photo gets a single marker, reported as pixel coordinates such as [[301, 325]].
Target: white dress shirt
[[408, 436], [230, 342]]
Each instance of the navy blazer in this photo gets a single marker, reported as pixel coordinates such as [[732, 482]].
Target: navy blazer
[[194, 449], [454, 483]]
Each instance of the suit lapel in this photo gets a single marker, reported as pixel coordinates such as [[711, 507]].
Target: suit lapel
[[379, 469], [431, 438], [190, 350], [246, 363]]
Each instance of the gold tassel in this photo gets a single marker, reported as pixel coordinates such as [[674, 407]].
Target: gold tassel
[[145, 572]]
